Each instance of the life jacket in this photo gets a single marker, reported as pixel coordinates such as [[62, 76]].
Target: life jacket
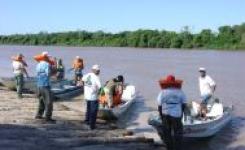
[[117, 97], [78, 64]]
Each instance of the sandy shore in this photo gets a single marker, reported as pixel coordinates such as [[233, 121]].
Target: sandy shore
[[20, 131]]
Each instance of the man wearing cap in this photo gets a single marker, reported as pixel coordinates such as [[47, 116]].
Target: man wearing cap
[[171, 103], [43, 70], [207, 86], [19, 70], [92, 87]]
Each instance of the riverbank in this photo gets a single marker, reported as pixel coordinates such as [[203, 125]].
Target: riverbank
[[20, 131], [227, 37]]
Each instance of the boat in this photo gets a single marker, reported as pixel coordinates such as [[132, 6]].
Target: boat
[[128, 97], [62, 89], [197, 128], [29, 83], [9, 82], [66, 91]]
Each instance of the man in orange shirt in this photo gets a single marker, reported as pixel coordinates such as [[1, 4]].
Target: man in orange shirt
[[78, 67]]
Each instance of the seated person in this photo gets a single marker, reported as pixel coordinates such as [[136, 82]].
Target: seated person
[[112, 92], [216, 109]]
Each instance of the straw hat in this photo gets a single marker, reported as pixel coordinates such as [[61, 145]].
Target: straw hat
[[170, 82]]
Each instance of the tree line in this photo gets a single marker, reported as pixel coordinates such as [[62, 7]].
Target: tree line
[[227, 37]]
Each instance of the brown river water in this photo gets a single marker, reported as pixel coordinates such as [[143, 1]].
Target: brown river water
[[144, 67]]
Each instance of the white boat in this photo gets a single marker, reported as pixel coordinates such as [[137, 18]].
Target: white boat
[[128, 97], [197, 128]]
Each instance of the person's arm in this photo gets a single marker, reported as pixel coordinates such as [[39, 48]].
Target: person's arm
[[184, 101], [212, 84], [159, 102], [25, 72]]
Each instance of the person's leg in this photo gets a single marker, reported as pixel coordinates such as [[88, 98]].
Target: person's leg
[[19, 84], [48, 103], [41, 105], [94, 109], [87, 112], [178, 132], [167, 133]]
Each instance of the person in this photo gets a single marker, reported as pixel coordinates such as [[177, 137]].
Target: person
[[43, 70], [216, 109], [78, 66], [19, 70], [60, 70], [113, 91], [92, 87], [207, 88], [171, 103]]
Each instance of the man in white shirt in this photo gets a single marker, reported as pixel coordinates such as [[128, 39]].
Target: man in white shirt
[[19, 70], [207, 86], [92, 86]]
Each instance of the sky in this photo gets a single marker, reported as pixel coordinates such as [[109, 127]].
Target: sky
[[33, 16]]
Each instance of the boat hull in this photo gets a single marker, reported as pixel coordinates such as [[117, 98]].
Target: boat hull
[[199, 130]]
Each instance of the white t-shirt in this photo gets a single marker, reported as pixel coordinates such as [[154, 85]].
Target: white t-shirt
[[205, 84], [17, 67], [92, 85]]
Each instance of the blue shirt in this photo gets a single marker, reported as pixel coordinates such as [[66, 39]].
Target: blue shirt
[[43, 72], [171, 100]]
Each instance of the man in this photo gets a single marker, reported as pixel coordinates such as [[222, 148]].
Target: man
[[172, 101], [78, 67], [43, 70], [207, 86], [113, 91], [92, 87], [19, 70]]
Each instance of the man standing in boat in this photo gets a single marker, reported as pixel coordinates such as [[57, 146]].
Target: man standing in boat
[[78, 66], [171, 103], [92, 87], [19, 69], [43, 70], [207, 86]]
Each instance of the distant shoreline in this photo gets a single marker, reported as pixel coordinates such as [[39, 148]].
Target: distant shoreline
[[142, 48], [227, 38]]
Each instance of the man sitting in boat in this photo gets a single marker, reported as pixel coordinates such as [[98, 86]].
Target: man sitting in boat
[[216, 109], [171, 103], [19, 70], [207, 88], [112, 92]]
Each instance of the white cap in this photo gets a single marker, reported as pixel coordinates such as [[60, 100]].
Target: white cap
[[202, 69], [96, 67], [45, 53], [77, 57]]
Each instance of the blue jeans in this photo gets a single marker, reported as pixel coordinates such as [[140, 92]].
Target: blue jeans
[[91, 114], [206, 99]]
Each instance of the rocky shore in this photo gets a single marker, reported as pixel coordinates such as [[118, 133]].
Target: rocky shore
[[19, 129]]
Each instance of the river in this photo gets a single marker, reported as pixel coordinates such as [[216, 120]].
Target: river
[[144, 67]]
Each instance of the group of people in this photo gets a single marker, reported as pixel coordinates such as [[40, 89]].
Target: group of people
[[172, 102], [108, 95]]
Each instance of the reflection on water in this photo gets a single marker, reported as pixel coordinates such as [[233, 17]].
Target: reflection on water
[[143, 67]]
